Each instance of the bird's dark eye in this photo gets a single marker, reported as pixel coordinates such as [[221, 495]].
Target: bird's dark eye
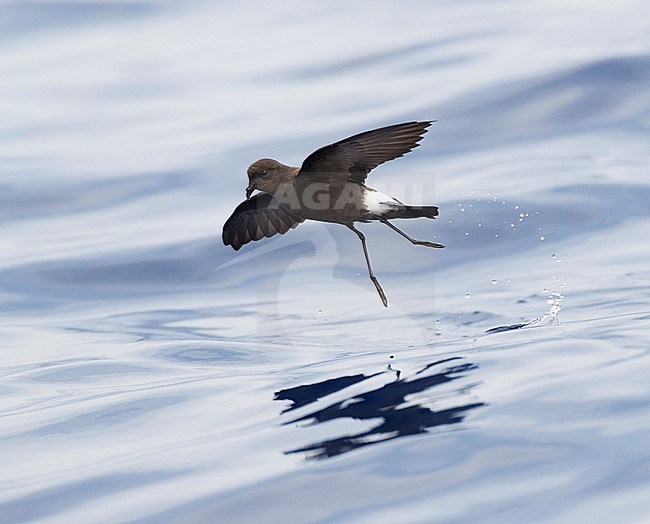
[[264, 173]]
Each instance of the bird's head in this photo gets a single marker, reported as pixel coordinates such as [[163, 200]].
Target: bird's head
[[266, 175]]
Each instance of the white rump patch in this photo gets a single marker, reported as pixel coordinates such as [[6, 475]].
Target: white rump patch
[[378, 203]]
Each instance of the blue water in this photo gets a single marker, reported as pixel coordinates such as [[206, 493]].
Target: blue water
[[149, 374]]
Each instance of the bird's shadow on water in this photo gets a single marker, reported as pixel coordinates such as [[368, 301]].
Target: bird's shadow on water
[[387, 404]]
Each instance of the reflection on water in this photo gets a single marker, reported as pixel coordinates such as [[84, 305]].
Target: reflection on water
[[138, 353], [388, 404]]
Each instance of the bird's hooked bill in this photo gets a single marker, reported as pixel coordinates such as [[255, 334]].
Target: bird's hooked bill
[[250, 189]]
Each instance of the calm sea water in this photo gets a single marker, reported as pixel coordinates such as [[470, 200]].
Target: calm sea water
[[149, 374]]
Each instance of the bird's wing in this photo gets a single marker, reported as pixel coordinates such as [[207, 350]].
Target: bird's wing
[[354, 157], [258, 217]]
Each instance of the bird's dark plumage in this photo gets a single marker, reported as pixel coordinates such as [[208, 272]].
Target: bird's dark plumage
[[258, 217], [328, 187], [354, 157]]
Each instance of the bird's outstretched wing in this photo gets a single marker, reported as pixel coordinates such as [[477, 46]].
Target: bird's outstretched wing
[[258, 217], [354, 157]]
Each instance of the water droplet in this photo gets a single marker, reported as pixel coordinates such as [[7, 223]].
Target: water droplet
[[467, 295], [542, 237], [516, 207], [494, 282]]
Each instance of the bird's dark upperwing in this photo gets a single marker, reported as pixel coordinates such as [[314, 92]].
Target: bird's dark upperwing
[[258, 217], [353, 158]]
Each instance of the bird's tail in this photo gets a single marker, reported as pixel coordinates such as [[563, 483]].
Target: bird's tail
[[416, 212]]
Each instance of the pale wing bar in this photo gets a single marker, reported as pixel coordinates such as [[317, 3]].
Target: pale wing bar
[[356, 156]]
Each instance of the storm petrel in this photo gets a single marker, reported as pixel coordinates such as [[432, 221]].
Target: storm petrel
[[328, 187]]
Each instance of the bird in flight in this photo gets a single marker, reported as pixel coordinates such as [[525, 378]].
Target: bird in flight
[[328, 187]]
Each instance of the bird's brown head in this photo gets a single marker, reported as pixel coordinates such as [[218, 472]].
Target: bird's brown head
[[266, 175]]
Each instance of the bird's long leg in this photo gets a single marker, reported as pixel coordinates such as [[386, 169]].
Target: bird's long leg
[[372, 276], [412, 240]]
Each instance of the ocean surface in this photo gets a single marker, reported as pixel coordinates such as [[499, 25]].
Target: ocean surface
[[150, 374]]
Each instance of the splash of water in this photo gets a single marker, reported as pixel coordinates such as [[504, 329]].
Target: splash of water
[[550, 317]]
